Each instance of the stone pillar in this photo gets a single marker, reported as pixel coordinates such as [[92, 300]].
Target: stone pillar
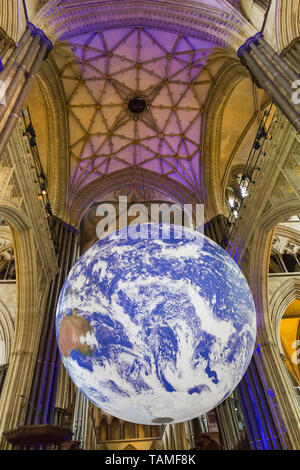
[[230, 432], [9, 91], [263, 423], [15, 87], [263, 427], [283, 82], [42, 400], [280, 63], [272, 73], [293, 55], [91, 439], [196, 431], [66, 390], [80, 418], [190, 433]]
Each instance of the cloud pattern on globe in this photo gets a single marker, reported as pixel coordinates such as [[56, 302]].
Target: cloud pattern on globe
[[159, 328]]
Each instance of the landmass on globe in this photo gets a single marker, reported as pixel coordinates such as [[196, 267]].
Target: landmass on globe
[[72, 333], [156, 330]]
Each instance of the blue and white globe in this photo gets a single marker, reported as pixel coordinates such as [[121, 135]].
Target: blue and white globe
[[156, 330]]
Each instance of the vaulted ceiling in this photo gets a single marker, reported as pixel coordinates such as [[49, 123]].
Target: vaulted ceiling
[[137, 96], [106, 74]]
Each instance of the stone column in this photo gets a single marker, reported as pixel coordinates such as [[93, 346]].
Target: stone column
[[14, 92], [8, 92], [91, 439], [262, 417], [42, 400], [80, 418], [190, 433], [262, 420], [279, 62], [283, 82], [264, 429], [293, 56], [230, 432], [272, 73], [66, 390]]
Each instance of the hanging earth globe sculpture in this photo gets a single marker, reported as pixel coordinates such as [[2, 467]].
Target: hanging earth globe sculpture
[[156, 330]]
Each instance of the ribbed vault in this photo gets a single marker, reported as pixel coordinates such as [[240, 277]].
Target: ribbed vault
[[135, 99]]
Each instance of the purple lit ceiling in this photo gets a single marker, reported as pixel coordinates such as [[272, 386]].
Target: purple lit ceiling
[[164, 78]]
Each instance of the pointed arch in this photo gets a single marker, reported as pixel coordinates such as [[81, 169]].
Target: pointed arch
[[6, 333], [120, 179], [225, 82], [24, 347], [284, 295], [273, 370], [58, 136]]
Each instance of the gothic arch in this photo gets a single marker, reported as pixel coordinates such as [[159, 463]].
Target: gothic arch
[[6, 333], [225, 82], [271, 363], [57, 126], [287, 292], [262, 241], [21, 365], [102, 186], [287, 232]]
